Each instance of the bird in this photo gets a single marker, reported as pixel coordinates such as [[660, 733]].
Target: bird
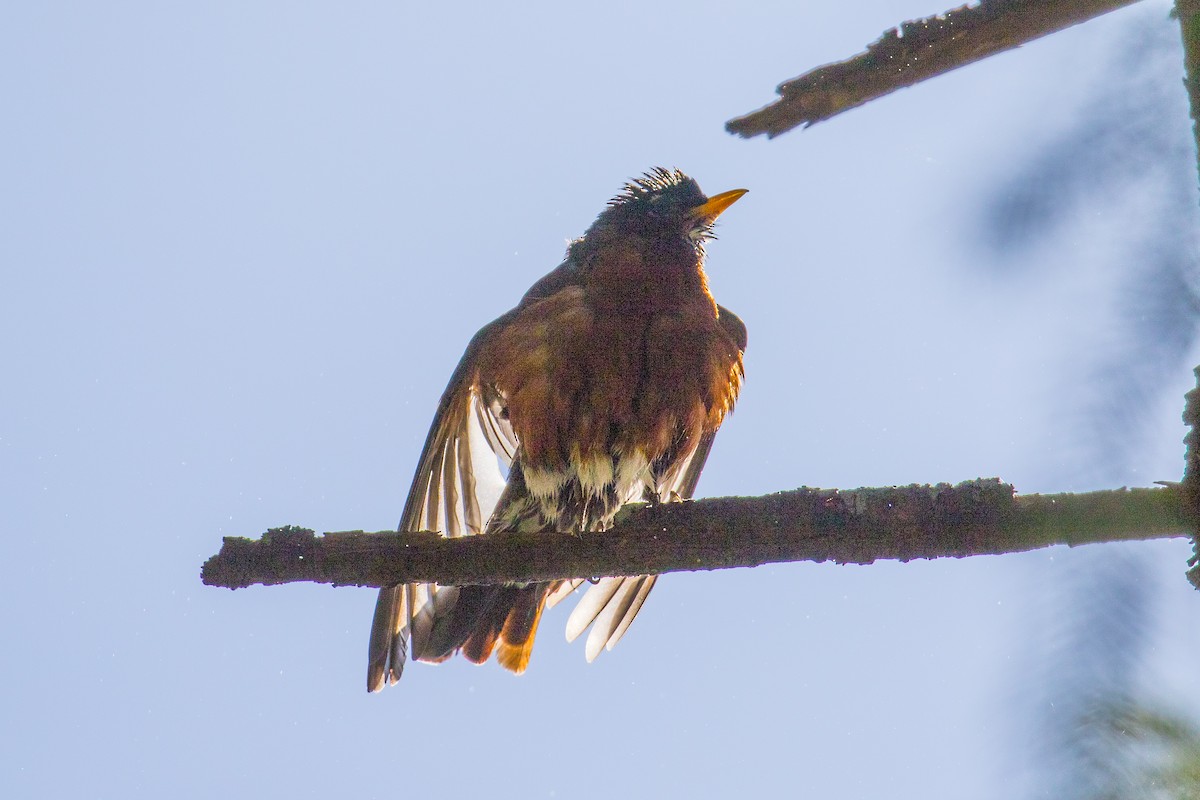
[[605, 385]]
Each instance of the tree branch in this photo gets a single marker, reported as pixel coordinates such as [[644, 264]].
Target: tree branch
[[917, 50], [1188, 12], [857, 527], [1190, 488]]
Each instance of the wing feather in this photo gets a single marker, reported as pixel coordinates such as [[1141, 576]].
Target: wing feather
[[590, 606], [561, 591], [644, 585], [498, 431], [627, 598], [454, 490], [452, 521]]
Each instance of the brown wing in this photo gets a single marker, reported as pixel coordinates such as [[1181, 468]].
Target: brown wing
[[455, 488], [611, 605], [454, 491]]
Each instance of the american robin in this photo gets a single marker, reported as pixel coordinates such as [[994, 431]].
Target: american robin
[[604, 386]]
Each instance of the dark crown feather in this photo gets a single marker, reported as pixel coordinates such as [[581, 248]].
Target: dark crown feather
[[656, 180]]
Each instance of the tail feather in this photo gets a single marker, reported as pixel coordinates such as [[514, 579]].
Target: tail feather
[[481, 640], [520, 628], [456, 623], [429, 603]]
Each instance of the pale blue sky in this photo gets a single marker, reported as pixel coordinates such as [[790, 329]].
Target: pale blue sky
[[245, 244]]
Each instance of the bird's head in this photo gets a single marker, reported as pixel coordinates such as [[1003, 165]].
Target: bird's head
[[664, 204]]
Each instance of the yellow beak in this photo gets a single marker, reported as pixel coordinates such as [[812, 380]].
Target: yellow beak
[[711, 209]]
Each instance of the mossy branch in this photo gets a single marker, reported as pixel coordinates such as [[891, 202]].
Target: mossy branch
[[856, 527], [915, 51]]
